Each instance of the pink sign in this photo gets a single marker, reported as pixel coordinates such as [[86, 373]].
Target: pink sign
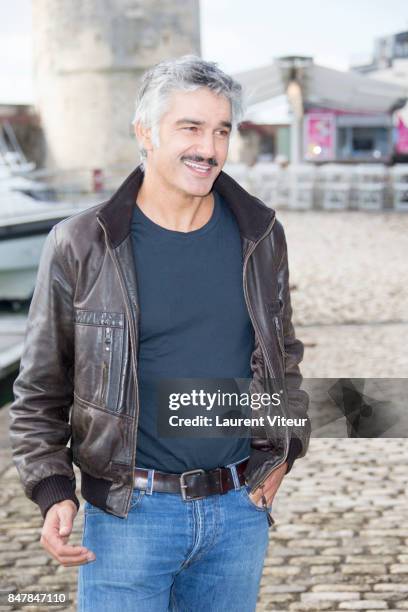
[[402, 137], [320, 129]]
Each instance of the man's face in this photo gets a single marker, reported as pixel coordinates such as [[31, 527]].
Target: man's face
[[194, 137]]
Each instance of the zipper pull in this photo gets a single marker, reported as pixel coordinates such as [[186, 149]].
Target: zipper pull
[[271, 522], [108, 338]]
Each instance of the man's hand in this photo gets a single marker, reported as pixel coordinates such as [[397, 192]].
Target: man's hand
[[56, 531], [270, 486]]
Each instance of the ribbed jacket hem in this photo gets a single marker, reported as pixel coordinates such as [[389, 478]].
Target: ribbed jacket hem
[[295, 448]]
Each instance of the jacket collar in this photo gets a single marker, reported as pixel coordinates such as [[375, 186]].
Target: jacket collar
[[253, 217]]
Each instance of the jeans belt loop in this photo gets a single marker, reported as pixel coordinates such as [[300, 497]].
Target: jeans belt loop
[[150, 480], [233, 469]]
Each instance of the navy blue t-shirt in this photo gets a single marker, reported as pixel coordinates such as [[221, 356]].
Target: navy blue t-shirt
[[194, 323]]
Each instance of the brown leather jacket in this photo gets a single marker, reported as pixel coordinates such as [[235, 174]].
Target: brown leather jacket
[[77, 381]]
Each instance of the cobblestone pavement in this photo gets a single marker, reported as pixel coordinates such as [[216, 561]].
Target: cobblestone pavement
[[347, 267], [341, 538]]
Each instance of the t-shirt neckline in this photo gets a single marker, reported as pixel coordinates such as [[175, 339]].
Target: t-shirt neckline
[[175, 234]]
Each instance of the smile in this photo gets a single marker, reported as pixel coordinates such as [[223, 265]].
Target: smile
[[203, 169]]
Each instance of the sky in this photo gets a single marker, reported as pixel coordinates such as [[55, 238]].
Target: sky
[[237, 34]]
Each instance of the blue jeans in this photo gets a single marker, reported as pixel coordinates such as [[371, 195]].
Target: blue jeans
[[205, 555]]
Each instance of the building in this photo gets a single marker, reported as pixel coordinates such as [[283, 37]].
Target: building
[[389, 63], [332, 116]]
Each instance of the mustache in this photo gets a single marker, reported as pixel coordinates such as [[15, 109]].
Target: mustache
[[211, 161]]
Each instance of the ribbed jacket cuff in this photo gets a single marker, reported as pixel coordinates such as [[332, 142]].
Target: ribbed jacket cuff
[[295, 448], [52, 490]]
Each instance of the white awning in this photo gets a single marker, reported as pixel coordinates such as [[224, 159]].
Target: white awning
[[350, 91], [324, 87], [275, 111]]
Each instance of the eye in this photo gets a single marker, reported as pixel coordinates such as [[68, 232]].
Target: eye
[[191, 128], [223, 133]]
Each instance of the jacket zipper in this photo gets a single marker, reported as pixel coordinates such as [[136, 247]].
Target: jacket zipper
[[278, 331], [104, 380], [133, 347], [105, 364], [265, 354]]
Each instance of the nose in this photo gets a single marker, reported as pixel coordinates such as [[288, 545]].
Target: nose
[[206, 146]]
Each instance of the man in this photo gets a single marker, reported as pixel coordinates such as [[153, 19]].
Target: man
[[181, 275]]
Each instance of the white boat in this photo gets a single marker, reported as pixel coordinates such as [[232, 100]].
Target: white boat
[[26, 218], [24, 225], [29, 208]]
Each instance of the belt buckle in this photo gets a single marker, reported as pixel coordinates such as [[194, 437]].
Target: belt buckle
[[183, 484]]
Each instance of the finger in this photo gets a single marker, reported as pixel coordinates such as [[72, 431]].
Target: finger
[[75, 564], [67, 550], [54, 544], [268, 492], [258, 493], [255, 499], [79, 560], [67, 561], [81, 552], [65, 515], [267, 485]]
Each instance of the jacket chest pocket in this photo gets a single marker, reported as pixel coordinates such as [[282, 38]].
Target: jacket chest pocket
[[99, 354]]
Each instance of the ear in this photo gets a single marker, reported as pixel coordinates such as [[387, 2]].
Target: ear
[[143, 136]]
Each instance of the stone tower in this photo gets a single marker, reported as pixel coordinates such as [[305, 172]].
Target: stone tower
[[88, 58]]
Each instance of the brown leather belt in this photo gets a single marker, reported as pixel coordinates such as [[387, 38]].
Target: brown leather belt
[[193, 484]]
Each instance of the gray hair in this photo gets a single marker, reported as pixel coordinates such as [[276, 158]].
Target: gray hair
[[186, 73]]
